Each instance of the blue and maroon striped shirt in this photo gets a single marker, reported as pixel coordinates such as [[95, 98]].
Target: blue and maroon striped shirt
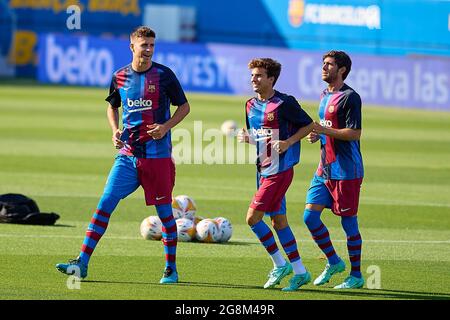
[[340, 160], [145, 98], [278, 118]]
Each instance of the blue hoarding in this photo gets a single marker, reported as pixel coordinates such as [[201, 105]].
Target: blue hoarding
[[397, 81]]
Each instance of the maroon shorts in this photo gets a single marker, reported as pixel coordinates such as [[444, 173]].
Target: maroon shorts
[[345, 194], [271, 191], [157, 178]]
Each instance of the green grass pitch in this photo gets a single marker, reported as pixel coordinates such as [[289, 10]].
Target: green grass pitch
[[56, 148]]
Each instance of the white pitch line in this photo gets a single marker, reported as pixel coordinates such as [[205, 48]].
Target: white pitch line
[[6, 235]]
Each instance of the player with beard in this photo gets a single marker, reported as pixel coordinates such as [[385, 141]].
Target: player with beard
[[337, 181]]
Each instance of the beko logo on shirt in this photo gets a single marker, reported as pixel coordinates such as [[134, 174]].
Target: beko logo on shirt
[[140, 103], [261, 133], [326, 123]]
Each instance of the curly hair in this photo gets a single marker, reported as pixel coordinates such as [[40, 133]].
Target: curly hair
[[342, 60], [143, 31], [272, 67]]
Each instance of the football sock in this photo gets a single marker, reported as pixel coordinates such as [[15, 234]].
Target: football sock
[[319, 233], [289, 244], [169, 234], [98, 225], [267, 239], [354, 244]]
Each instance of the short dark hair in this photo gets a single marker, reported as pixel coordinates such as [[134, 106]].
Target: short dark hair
[[342, 60], [143, 31], [272, 67]]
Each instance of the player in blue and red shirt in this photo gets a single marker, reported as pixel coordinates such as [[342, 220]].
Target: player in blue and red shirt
[[337, 181], [145, 90], [275, 123]]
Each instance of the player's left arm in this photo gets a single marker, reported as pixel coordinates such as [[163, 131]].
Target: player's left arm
[[178, 98], [158, 130], [352, 130]]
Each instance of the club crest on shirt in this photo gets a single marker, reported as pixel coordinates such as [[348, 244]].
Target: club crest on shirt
[[331, 109], [270, 116], [151, 88]]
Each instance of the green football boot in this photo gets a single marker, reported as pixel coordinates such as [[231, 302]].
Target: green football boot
[[351, 282], [330, 270], [277, 274]]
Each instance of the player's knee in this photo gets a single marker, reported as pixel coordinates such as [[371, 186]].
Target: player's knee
[[350, 225], [252, 218], [311, 218], [279, 222]]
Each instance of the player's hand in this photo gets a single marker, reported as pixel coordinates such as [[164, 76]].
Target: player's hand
[[157, 131], [313, 137], [280, 146], [117, 143], [243, 136], [318, 128]]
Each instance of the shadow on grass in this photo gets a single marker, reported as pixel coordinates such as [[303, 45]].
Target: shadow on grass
[[228, 243], [382, 294], [355, 293]]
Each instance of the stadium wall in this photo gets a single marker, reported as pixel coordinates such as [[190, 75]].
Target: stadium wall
[[376, 27], [410, 81]]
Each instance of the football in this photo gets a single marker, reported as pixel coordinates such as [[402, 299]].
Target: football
[[151, 228], [225, 228], [197, 219], [229, 128], [183, 206], [185, 229], [207, 231]]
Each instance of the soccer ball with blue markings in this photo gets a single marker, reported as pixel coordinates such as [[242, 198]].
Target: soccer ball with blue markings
[[185, 229], [225, 228], [151, 228], [207, 231], [183, 206]]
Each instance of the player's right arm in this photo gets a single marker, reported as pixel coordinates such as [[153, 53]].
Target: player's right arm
[[243, 136], [112, 113], [113, 119]]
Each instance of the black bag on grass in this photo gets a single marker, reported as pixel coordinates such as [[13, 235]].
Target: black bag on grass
[[18, 208]]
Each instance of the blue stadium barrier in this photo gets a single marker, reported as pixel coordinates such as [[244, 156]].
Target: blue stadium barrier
[[411, 81]]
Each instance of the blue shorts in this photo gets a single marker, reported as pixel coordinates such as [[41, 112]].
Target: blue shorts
[[318, 193], [341, 196], [281, 211], [155, 175], [123, 177]]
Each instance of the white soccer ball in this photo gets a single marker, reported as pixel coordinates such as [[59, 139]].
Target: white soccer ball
[[207, 231], [225, 228], [183, 206], [229, 128], [197, 219], [151, 228], [185, 229]]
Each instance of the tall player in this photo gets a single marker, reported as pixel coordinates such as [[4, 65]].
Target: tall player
[[275, 123], [145, 90], [337, 181]]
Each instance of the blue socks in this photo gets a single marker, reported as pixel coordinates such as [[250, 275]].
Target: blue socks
[[169, 234], [319, 233]]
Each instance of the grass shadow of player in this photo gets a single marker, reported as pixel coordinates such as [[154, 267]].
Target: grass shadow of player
[[383, 294], [180, 283]]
